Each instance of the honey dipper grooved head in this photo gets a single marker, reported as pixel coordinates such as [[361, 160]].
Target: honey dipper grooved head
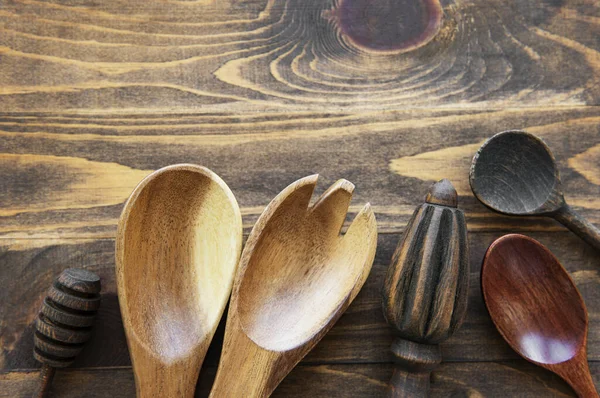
[[66, 318]]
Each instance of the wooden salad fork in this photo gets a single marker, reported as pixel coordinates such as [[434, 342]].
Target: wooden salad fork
[[178, 244], [296, 277]]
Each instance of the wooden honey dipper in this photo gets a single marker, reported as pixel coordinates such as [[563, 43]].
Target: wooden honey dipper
[[65, 322]]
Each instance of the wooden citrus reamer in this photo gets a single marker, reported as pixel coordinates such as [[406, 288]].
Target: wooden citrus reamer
[[426, 289]]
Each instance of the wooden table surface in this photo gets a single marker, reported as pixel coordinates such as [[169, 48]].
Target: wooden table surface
[[94, 95]]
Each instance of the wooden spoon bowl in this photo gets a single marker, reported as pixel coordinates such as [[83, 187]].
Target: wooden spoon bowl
[[537, 308], [178, 244], [515, 173], [297, 276]]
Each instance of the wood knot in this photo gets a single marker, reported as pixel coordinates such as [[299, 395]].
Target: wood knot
[[388, 25], [66, 318]]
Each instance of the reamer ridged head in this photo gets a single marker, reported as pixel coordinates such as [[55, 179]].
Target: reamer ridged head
[[425, 290]]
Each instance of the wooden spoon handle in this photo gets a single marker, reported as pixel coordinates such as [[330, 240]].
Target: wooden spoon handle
[[579, 225], [414, 363], [245, 369], [577, 373], [155, 379]]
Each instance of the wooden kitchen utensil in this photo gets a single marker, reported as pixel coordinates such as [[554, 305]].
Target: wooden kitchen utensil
[[425, 291], [297, 276], [515, 173], [537, 308], [64, 323], [178, 243]]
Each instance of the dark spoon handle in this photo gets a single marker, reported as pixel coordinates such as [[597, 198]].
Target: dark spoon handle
[[579, 225]]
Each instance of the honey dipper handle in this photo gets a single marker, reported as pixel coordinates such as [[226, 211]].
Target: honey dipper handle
[[46, 376], [413, 365]]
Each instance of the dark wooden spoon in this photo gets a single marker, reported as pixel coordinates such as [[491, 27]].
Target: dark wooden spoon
[[515, 173], [537, 308]]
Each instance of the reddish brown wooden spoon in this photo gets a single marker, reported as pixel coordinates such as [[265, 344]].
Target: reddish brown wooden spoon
[[537, 308]]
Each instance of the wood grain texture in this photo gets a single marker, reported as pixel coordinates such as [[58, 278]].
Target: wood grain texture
[[95, 95], [392, 157], [282, 54], [467, 379], [297, 276]]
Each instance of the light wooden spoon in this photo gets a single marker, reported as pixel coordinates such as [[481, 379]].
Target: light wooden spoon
[[297, 276], [178, 244]]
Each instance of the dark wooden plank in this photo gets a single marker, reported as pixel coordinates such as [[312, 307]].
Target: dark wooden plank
[[261, 54], [67, 176], [361, 335], [95, 95], [487, 379]]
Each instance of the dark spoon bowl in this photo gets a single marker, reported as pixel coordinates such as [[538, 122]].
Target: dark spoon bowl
[[515, 173], [537, 308]]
